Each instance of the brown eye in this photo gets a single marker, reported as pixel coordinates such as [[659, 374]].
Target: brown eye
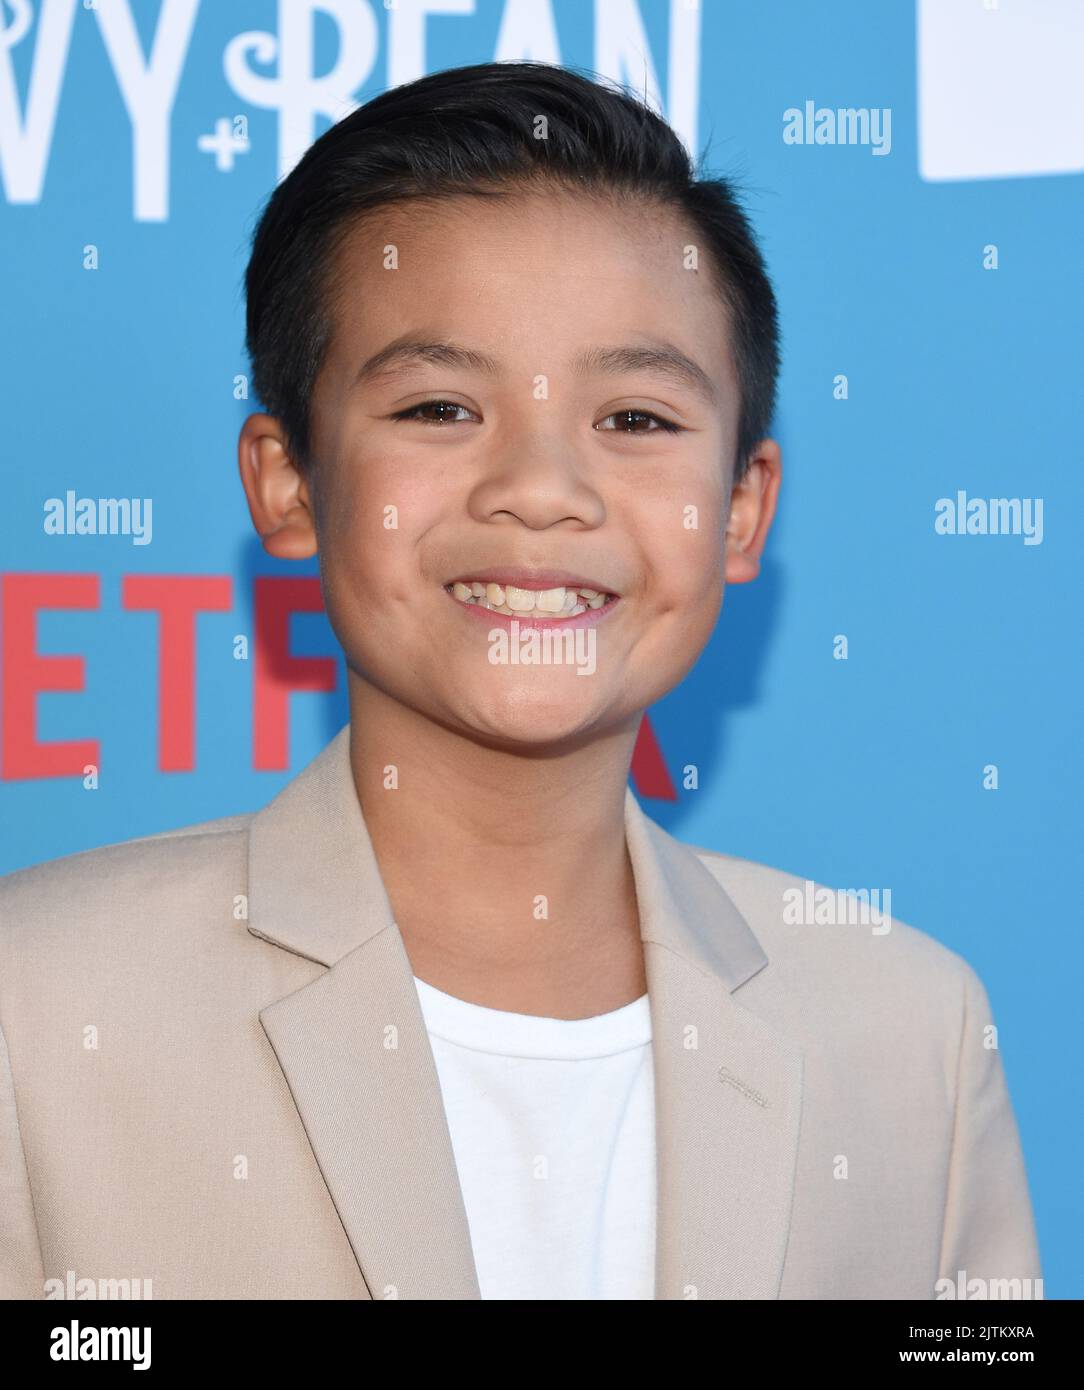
[[628, 416], [414, 412]]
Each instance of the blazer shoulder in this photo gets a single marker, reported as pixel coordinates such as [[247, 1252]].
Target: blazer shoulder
[[814, 926], [146, 879]]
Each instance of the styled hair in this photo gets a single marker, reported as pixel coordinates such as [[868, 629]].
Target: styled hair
[[473, 131]]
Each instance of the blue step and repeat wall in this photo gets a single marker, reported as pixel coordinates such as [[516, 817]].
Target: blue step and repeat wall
[[894, 702]]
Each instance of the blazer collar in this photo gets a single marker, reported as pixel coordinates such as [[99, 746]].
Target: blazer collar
[[315, 886], [353, 1047]]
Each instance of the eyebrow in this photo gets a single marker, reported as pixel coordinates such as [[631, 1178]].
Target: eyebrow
[[657, 358]]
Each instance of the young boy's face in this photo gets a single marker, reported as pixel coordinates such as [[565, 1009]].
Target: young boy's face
[[532, 465]]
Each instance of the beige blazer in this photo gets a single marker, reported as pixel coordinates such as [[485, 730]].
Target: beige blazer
[[236, 1106]]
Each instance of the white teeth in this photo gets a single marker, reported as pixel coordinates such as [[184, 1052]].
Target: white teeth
[[561, 601], [520, 600], [549, 600]]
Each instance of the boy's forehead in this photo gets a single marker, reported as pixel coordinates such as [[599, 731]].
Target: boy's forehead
[[529, 267], [580, 232]]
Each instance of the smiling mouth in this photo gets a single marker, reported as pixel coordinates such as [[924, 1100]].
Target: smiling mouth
[[556, 604]]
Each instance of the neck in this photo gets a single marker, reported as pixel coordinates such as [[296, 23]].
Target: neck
[[508, 873]]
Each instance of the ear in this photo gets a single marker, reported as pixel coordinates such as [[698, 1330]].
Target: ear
[[277, 493], [752, 507]]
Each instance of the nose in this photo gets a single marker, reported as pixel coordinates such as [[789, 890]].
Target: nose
[[537, 481]]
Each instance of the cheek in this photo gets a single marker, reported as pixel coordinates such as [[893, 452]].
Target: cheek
[[358, 564], [687, 561], [364, 532], [688, 583], [677, 517]]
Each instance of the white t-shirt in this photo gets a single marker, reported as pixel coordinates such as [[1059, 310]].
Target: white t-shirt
[[553, 1129]]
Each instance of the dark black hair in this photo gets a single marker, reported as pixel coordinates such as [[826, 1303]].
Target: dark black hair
[[473, 131]]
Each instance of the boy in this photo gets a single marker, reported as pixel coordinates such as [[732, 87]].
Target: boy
[[483, 1029]]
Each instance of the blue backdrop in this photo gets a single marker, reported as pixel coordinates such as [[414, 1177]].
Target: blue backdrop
[[925, 246]]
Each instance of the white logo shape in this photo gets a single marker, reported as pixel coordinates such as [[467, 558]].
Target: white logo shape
[[1000, 88]]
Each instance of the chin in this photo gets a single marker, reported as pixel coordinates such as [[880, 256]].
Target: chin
[[530, 724]]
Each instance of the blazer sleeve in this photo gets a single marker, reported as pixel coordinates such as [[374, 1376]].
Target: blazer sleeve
[[21, 1272], [988, 1231]]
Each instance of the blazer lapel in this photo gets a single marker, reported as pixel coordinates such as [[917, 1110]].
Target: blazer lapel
[[728, 1087], [352, 1043], [354, 1049]]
